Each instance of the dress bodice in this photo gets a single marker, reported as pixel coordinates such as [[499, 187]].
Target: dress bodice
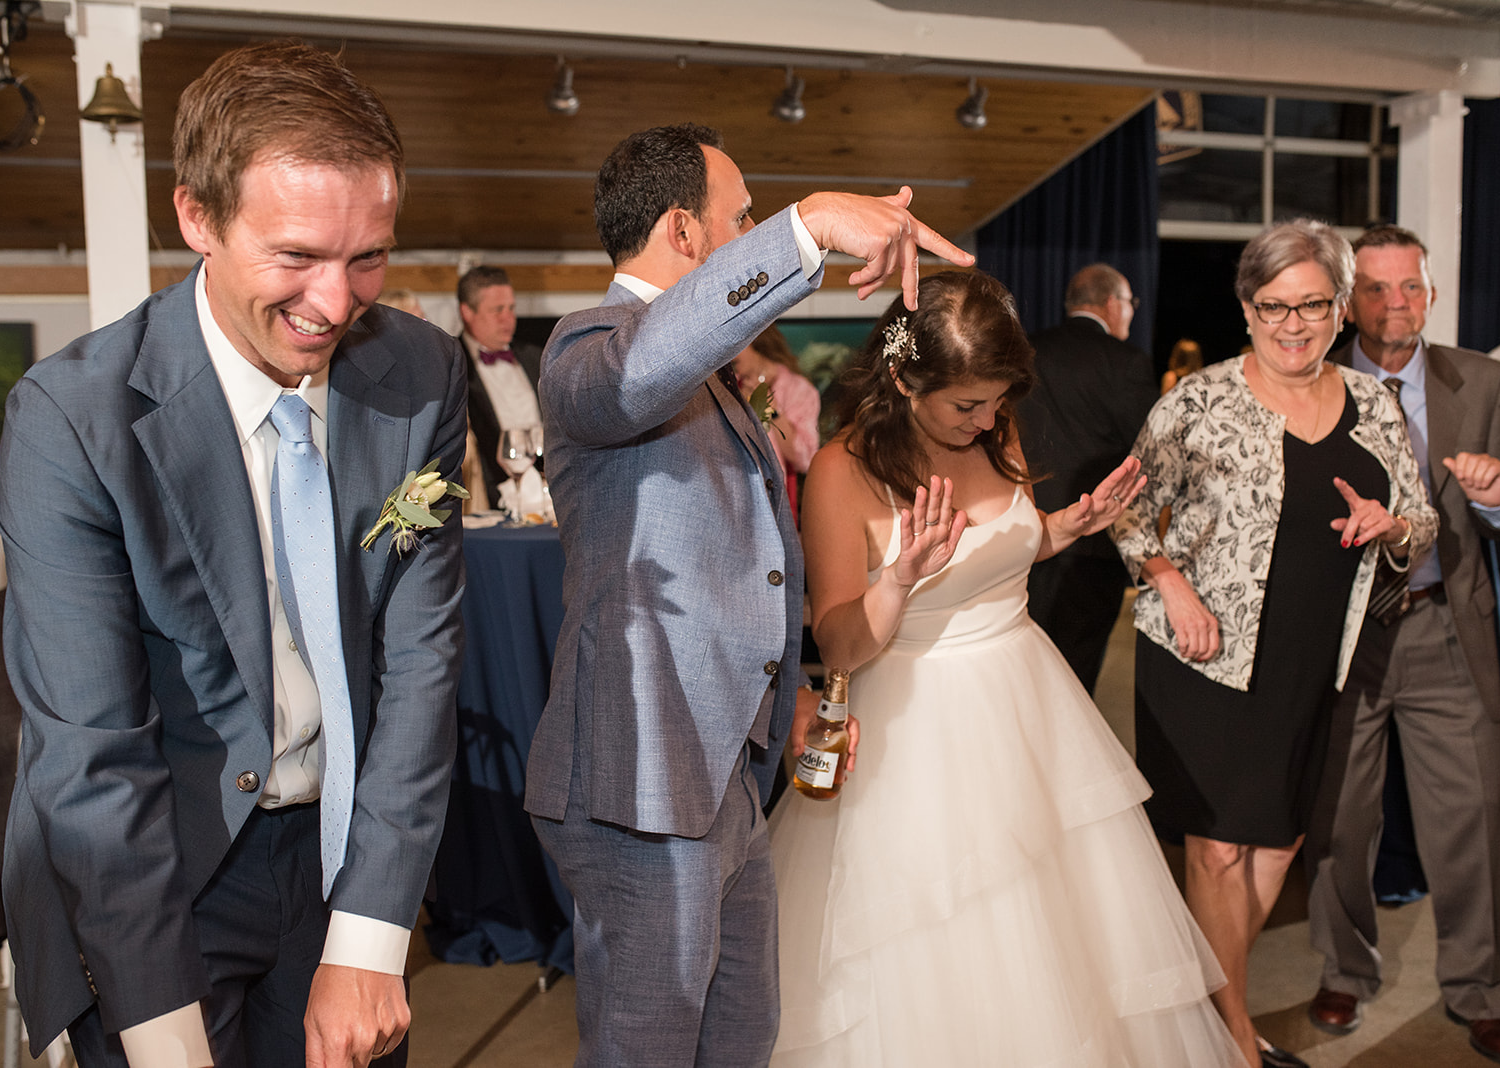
[[982, 591]]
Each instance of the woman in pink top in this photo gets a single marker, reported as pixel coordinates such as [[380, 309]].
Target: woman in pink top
[[794, 430]]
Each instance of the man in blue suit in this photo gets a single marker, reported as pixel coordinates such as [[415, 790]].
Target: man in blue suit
[[173, 896], [675, 678]]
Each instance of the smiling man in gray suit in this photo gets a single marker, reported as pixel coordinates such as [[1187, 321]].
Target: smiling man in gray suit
[[1434, 674], [675, 679], [238, 726]]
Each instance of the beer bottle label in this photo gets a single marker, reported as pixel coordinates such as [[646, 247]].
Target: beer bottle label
[[817, 768]]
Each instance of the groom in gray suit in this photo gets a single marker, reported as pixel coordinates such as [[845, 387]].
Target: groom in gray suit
[[178, 894], [675, 679]]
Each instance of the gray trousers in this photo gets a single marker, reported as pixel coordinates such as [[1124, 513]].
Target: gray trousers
[[675, 938], [1415, 673]]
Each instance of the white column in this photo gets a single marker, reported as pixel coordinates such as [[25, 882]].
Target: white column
[[1429, 194], [114, 172]]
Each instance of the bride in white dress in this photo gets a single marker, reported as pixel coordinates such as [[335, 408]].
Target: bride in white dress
[[986, 890]]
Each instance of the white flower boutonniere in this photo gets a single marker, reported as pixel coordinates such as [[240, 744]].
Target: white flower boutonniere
[[409, 509]]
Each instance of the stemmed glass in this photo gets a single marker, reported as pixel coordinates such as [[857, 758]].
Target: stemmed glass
[[517, 455]]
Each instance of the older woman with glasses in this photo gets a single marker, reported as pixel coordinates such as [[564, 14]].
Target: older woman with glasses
[[1289, 480]]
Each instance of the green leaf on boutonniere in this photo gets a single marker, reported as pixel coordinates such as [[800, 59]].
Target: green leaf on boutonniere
[[409, 508], [764, 408]]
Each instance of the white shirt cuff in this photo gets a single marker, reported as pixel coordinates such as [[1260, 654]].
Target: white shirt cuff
[[176, 1039], [807, 248], [1491, 514], [362, 942]]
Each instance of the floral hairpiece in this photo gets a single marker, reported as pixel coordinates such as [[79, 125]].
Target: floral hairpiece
[[900, 344]]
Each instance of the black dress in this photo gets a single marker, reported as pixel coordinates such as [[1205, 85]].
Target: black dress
[[1243, 766]]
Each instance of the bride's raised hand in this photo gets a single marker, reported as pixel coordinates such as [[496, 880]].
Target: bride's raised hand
[[1095, 511], [930, 530]]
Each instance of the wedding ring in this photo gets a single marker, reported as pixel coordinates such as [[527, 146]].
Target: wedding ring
[[1115, 498], [932, 522]]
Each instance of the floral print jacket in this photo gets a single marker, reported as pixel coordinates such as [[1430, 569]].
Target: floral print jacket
[[1213, 452]]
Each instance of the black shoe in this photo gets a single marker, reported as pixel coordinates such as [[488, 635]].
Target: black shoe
[[1276, 1057]]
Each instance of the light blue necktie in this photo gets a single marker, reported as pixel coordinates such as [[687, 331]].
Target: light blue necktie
[[302, 531]]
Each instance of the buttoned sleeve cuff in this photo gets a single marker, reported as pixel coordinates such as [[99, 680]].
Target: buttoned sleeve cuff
[[176, 1039], [362, 942], [812, 256], [1488, 514]]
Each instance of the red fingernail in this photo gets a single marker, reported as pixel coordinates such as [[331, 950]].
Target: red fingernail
[[1345, 544]]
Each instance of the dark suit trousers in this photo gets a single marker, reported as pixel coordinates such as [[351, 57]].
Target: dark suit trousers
[[262, 923], [1413, 672], [1076, 599], [675, 937]]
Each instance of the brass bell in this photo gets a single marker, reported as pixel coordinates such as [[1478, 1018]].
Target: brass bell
[[111, 103]]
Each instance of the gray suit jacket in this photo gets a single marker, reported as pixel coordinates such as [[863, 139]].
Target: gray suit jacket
[[1463, 415], [137, 634], [683, 585]]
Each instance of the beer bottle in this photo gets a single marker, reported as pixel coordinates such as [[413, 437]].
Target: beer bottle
[[827, 743]]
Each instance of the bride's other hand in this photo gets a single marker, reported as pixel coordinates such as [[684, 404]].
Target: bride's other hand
[[1095, 511], [930, 530]]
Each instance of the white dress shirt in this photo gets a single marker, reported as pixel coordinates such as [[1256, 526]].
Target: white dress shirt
[[509, 390], [178, 1038]]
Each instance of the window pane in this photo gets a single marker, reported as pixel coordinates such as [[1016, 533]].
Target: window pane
[[1334, 190], [1234, 114], [1212, 185], [1324, 119]]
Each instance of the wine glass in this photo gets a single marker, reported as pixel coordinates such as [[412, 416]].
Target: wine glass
[[517, 455], [536, 446]]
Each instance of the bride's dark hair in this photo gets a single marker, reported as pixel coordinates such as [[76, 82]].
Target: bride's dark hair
[[965, 329]]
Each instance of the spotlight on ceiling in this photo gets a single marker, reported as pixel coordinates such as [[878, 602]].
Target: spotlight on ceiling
[[788, 106], [970, 113], [562, 100]]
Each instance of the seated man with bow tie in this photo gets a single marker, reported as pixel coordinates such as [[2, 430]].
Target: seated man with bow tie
[[502, 376]]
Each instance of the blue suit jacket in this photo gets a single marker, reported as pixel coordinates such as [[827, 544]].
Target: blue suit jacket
[[683, 585], [137, 635]]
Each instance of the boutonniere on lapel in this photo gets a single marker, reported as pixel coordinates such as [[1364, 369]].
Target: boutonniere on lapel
[[765, 408], [409, 509]]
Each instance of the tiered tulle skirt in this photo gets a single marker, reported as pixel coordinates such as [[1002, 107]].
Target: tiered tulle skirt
[[986, 891]]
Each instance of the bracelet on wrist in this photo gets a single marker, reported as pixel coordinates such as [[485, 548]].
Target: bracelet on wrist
[[1405, 538]]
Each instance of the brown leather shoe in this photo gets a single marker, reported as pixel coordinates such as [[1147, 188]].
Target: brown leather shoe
[[1484, 1036], [1335, 1012]]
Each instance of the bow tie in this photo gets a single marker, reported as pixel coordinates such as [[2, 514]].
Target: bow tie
[[489, 356]]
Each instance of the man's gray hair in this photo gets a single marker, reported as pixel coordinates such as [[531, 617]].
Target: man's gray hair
[[1093, 285]]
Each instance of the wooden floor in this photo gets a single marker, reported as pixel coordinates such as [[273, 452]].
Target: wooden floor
[[469, 1017]]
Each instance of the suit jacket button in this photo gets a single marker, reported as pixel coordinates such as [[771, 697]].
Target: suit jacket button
[[772, 667], [734, 297], [770, 486], [248, 782], [753, 285], [744, 292], [776, 578], [762, 278]]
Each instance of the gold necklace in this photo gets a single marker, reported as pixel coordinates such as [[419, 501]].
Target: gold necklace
[[1317, 412]]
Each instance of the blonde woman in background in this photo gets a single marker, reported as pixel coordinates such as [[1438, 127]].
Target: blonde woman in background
[[1186, 358]]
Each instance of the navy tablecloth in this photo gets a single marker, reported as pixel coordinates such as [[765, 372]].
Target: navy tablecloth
[[498, 895]]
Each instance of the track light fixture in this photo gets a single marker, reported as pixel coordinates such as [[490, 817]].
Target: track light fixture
[[562, 100], [970, 113], [788, 106]]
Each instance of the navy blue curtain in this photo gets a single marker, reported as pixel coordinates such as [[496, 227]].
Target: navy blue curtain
[[1479, 261], [1099, 208]]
